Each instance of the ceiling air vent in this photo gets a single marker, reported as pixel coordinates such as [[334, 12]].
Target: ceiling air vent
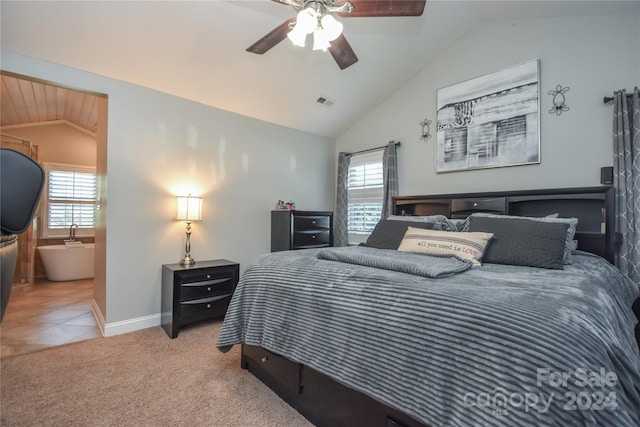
[[323, 100]]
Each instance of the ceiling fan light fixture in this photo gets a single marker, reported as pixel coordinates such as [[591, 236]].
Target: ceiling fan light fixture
[[298, 38], [320, 41], [331, 27], [307, 21]]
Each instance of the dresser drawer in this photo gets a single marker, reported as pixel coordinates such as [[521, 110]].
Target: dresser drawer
[[303, 222], [311, 238], [464, 207], [213, 306], [206, 288]]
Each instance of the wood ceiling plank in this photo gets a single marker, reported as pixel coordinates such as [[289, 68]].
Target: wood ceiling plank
[[40, 101], [13, 91], [52, 102], [9, 114], [27, 95], [61, 103], [88, 113], [74, 106]]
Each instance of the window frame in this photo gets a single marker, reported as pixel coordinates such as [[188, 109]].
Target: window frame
[[55, 233], [370, 195]]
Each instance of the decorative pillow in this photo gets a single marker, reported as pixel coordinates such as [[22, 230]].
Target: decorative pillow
[[464, 245], [522, 241], [571, 223], [389, 233]]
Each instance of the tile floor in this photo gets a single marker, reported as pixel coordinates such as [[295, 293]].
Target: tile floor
[[51, 314]]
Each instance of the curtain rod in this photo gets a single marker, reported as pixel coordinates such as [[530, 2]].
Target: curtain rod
[[608, 99], [372, 149]]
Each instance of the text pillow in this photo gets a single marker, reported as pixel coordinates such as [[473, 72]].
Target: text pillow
[[389, 233], [464, 245]]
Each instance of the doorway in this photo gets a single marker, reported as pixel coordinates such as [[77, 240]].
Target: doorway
[[66, 125]]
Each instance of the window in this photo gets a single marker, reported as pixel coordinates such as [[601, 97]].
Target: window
[[70, 199], [365, 193]]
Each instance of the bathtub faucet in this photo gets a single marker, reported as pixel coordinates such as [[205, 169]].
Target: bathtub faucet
[[72, 232]]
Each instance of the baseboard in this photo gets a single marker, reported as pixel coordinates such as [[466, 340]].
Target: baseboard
[[124, 326], [130, 325], [97, 314]]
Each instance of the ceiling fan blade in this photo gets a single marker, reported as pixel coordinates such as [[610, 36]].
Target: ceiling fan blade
[[342, 52], [273, 38], [373, 8]]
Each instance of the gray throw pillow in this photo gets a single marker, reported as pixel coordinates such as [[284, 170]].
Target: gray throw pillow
[[522, 241], [572, 224], [388, 233]]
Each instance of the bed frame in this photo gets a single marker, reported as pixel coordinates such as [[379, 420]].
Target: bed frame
[[325, 402]]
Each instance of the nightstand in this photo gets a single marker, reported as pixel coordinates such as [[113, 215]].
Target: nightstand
[[198, 292]]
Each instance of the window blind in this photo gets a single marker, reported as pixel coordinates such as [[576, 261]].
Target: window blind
[[72, 197], [365, 193]]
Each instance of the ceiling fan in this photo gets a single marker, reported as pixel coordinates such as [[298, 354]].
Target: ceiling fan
[[316, 16]]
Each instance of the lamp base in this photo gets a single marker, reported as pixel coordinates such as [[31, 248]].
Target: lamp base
[[187, 261]]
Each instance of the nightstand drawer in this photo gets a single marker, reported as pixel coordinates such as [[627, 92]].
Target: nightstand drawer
[[311, 238], [217, 286], [213, 306], [311, 222]]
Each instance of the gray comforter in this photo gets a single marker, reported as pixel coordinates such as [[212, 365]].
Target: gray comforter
[[495, 345]]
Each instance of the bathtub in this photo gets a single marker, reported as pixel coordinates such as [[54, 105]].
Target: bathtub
[[68, 262]]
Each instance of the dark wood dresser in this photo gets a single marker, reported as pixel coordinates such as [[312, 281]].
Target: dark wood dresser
[[296, 229]]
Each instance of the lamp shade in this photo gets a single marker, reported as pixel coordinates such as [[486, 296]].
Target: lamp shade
[[189, 208]]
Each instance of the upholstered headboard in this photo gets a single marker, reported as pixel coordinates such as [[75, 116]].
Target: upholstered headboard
[[593, 206]]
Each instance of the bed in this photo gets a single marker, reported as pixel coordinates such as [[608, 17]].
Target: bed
[[347, 339]]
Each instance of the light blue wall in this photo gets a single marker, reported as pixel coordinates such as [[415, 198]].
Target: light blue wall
[[593, 55], [159, 146]]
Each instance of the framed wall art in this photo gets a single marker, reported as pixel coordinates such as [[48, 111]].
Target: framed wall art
[[490, 121]]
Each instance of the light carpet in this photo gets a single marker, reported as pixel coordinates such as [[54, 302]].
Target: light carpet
[[143, 378]]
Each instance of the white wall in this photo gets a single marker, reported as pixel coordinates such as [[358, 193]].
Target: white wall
[[59, 142], [160, 146], [593, 55]]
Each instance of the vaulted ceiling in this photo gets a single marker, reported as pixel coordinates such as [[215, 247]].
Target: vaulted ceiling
[[196, 50], [28, 102]]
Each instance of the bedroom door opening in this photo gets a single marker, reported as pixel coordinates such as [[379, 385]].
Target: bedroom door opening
[[68, 126]]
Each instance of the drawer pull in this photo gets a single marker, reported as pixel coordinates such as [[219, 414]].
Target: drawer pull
[[313, 237], [208, 276], [264, 359], [208, 305], [209, 288], [475, 205]]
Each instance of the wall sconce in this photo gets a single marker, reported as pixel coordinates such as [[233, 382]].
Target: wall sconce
[[559, 100], [426, 132], [189, 210]]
